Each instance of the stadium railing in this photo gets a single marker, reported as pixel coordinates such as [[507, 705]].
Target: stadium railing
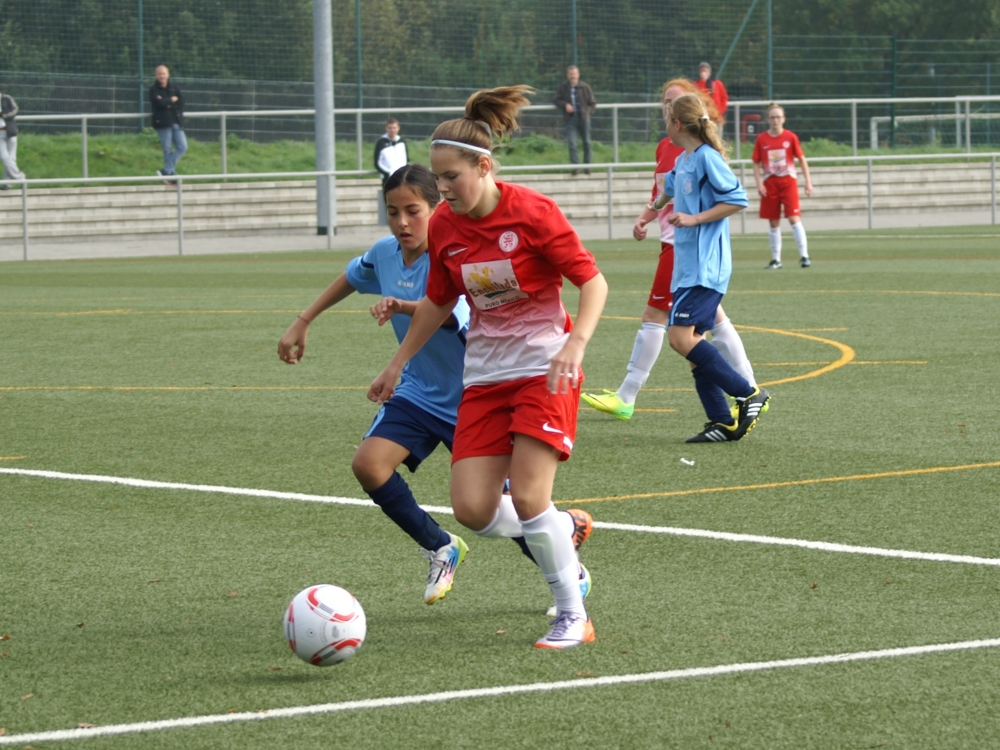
[[963, 115], [609, 168]]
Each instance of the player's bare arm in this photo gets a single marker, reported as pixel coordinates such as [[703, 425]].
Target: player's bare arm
[[564, 370], [760, 183], [292, 346], [427, 318]]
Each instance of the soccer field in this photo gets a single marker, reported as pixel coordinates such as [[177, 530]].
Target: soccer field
[[830, 581]]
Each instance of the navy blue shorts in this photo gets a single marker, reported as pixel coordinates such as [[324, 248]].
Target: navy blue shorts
[[695, 306], [408, 425]]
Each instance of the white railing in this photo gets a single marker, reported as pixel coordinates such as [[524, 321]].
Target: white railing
[[738, 106], [609, 168]]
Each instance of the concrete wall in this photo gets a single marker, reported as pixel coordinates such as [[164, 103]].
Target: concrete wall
[[289, 207]]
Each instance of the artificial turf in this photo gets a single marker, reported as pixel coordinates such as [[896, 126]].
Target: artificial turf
[[126, 605]]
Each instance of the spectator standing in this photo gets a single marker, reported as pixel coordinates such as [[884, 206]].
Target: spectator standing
[[168, 121], [8, 139], [715, 88], [390, 150], [576, 101]]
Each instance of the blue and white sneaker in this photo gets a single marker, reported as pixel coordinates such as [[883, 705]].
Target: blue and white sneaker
[[584, 590], [443, 564]]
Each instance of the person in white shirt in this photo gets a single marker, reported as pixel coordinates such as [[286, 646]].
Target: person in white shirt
[[390, 150]]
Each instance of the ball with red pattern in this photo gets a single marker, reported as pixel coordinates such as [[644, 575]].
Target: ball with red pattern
[[325, 625]]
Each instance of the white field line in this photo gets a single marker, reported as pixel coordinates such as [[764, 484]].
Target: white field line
[[669, 530], [490, 692]]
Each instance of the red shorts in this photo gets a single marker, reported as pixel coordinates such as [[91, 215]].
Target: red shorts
[[781, 191], [660, 296], [490, 415]]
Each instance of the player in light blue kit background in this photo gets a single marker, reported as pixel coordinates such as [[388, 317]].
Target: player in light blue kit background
[[423, 411], [705, 193]]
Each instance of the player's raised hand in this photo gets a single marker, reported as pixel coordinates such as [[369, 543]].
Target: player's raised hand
[[385, 308], [384, 385], [292, 346]]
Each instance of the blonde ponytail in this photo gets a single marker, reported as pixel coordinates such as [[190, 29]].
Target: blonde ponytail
[[695, 119]]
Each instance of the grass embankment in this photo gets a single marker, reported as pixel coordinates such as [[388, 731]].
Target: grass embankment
[[59, 156]]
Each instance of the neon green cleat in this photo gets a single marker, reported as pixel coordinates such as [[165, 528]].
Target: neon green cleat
[[609, 403]]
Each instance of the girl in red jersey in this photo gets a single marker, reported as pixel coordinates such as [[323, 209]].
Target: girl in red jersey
[[507, 248], [774, 157], [649, 339]]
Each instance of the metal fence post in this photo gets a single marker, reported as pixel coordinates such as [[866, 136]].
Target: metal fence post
[[331, 192], [743, 213], [83, 141], [870, 199], [180, 215], [331, 212], [24, 217], [958, 124], [993, 189], [611, 215], [223, 136], [614, 128], [854, 127], [968, 126], [357, 125], [737, 129]]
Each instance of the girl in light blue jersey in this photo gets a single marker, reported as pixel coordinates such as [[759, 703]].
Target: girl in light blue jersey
[[423, 412], [705, 193]]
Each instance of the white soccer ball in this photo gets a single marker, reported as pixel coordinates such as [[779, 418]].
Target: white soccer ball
[[325, 625]]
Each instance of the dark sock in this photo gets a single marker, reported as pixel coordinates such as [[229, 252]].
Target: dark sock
[[397, 501], [712, 398], [714, 367], [524, 548]]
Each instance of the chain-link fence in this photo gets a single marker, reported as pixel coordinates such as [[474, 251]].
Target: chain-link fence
[[66, 56]]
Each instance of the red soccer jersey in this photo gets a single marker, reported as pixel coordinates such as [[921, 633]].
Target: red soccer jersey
[[666, 156], [509, 265], [777, 154]]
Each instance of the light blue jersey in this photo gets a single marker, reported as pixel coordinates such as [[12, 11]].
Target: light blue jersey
[[431, 380], [702, 254]]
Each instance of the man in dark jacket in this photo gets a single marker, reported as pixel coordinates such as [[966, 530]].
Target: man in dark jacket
[[577, 103], [168, 121], [8, 140]]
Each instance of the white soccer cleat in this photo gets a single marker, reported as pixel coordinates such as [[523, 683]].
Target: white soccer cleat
[[568, 630], [443, 564]]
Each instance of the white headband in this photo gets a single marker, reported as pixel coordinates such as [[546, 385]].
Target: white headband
[[469, 146]]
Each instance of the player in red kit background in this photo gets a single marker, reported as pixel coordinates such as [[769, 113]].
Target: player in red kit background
[[507, 248], [774, 156]]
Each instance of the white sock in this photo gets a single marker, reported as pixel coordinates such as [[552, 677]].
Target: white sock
[[775, 237], [799, 232], [551, 544], [505, 524], [726, 339], [648, 342]]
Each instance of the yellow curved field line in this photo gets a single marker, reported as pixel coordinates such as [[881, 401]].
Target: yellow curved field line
[[774, 485], [846, 353]]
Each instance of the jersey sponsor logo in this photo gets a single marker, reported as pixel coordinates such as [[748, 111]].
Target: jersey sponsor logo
[[551, 429], [407, 284], [509, 241], [457, 251], [776, 157], [492, 284]]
